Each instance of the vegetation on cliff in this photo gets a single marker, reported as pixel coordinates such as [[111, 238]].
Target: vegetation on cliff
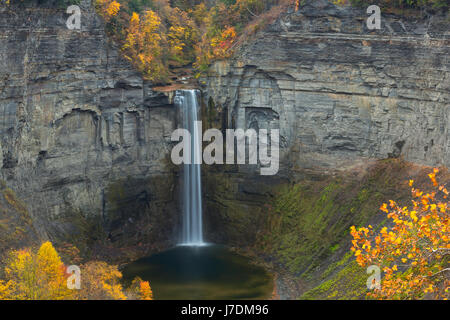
[[307, 231], [158, 36], [16, 225], [413, 250]]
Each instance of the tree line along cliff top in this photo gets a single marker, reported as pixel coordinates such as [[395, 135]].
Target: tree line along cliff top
[[164, 39]]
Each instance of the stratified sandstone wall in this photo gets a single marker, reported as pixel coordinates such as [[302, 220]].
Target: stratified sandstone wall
[[83, 140], [341, 95], [339, 92]]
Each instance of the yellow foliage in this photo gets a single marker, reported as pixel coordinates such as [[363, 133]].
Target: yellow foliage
[[222, 44], [100, 281], [143, 44], [182, 36], [413, 253], [113, 8], [6, 290], [200, 14], [107, 8], [42, 275], [37, 276]]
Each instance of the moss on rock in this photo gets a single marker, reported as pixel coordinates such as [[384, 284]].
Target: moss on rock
[[303, 226], [348, 283], [16, 225]]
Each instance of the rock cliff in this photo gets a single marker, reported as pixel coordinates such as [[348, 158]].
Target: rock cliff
[[340, 93], [83, 139], [348, 102]]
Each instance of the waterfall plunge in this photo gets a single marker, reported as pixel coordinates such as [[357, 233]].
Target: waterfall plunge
[[186, 101]]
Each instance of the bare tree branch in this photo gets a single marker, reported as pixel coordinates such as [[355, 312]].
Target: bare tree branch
[[252, 13], [443, 270]]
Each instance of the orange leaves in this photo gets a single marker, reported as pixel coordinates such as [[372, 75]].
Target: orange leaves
[[433, 177], [145, 291], [140, 290], [408, 250], [222, 44], [100, 281], [229, 33], [424, 201], [444, 190], [217, 47]]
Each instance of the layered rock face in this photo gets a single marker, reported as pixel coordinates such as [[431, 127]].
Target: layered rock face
[[83, 140], [339, 92], [341, 96]]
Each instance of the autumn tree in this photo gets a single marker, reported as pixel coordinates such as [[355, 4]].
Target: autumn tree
[[6, 290], [145, 291], [248, 9], [199, 14], [140, 290], [222, 44], [223, 15], [143, 45], [159, 35], [413, 251], [107, 8], [182, 36], [100, 281], [41, 275], [37, 275]]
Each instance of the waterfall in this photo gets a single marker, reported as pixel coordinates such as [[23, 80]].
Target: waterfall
[[186, 101]]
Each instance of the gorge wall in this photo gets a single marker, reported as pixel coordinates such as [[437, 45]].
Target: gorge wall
[[83, 139], [350, 104], [339, 92]]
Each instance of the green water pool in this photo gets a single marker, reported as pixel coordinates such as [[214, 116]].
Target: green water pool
[[205, 273]]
